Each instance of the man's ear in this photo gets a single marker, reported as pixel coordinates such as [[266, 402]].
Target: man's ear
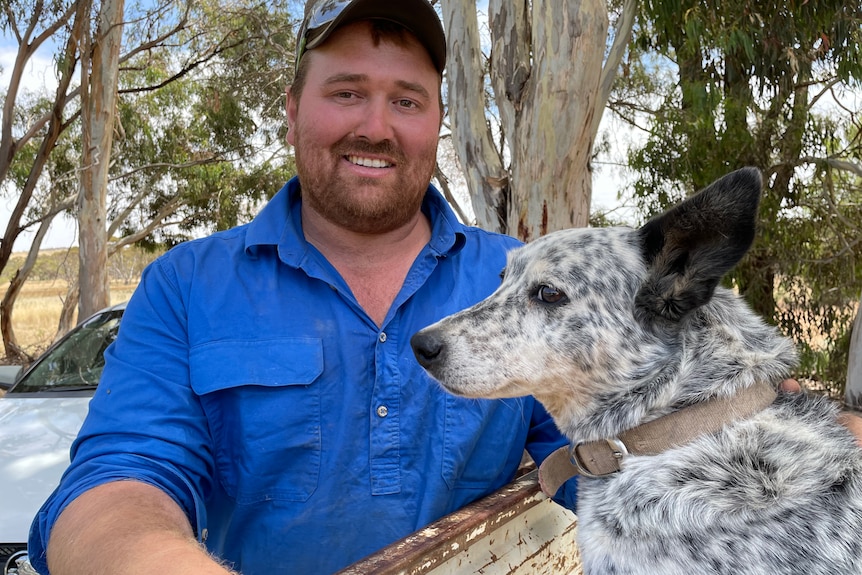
[[290, 105]]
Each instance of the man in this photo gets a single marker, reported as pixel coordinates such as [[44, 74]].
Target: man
[[262, 397]]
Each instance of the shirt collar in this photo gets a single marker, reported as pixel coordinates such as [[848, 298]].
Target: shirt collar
[[271, 228]]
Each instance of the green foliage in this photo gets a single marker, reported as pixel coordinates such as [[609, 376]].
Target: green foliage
[[210, 138], [23, 10], [750, 84], [770, 42], [199, 138]]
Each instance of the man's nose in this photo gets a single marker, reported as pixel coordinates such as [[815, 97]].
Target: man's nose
[[376, 124]]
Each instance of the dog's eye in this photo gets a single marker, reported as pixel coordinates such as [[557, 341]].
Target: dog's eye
[[549, 294]]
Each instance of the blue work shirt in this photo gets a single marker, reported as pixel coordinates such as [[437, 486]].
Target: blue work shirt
[[297, 435]]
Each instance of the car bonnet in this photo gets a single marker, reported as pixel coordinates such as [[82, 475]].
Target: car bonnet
[[35, 436]]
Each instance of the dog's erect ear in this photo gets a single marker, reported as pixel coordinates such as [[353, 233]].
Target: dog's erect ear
[[691, 246]]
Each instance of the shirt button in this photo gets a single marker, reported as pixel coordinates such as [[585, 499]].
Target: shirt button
[[382, 411], [382, 337]]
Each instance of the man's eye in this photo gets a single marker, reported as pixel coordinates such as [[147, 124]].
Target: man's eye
[[549, 294], [407, 103]]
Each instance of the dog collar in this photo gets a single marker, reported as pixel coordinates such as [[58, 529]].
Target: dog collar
[[605, 456]]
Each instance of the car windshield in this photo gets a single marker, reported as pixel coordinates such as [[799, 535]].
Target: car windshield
[[76, 362]]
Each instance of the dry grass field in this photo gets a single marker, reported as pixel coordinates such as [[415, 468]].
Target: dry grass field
[[37, 311]]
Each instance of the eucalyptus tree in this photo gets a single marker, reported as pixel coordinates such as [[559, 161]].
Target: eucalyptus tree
[[774, 85], [99, 55], [200, 140], [525, 106], [195, 124], [30, 129], [853, 391]]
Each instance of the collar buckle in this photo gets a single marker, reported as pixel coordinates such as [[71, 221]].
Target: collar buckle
[[618, 451]]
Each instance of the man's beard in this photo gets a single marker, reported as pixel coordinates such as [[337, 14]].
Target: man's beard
[[339, 201]]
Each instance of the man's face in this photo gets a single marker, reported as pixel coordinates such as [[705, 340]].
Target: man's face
[[365, 129]]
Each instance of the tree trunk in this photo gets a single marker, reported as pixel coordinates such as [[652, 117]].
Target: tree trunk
[[9, 147], [480, 160], [853, 390], [549, 89], [67, 312], [548, 97], [99, 101], [10, 343]]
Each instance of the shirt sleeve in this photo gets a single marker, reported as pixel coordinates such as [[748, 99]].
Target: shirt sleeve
[[144, 422], [543, 439]]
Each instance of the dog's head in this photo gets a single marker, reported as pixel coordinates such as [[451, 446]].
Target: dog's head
[[588, 313]]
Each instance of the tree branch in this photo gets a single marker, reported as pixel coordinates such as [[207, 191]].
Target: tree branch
[[622, 37]]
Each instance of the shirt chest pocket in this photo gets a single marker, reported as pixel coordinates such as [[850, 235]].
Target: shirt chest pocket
[[264, 410]]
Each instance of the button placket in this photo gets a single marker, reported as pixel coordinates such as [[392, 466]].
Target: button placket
[[385, 436]]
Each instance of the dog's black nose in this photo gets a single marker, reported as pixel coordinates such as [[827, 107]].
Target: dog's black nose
[[428, 347]]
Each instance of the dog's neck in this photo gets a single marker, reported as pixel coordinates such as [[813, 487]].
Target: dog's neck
[[724, 348], [606, 457]]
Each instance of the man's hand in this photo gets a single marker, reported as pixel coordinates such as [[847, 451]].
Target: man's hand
[[849, 420], [791, 385], [852, 422]]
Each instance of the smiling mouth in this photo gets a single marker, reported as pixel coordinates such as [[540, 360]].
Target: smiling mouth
[[368, 162]]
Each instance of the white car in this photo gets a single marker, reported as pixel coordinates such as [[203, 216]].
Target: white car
[[39, 418]]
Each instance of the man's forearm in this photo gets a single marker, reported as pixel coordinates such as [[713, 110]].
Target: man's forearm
[[126, 528]]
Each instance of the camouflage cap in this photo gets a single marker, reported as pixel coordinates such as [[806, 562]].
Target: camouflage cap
[[322, 17]]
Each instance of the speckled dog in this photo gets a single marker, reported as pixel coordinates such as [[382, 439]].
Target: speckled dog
[[613, 327]]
